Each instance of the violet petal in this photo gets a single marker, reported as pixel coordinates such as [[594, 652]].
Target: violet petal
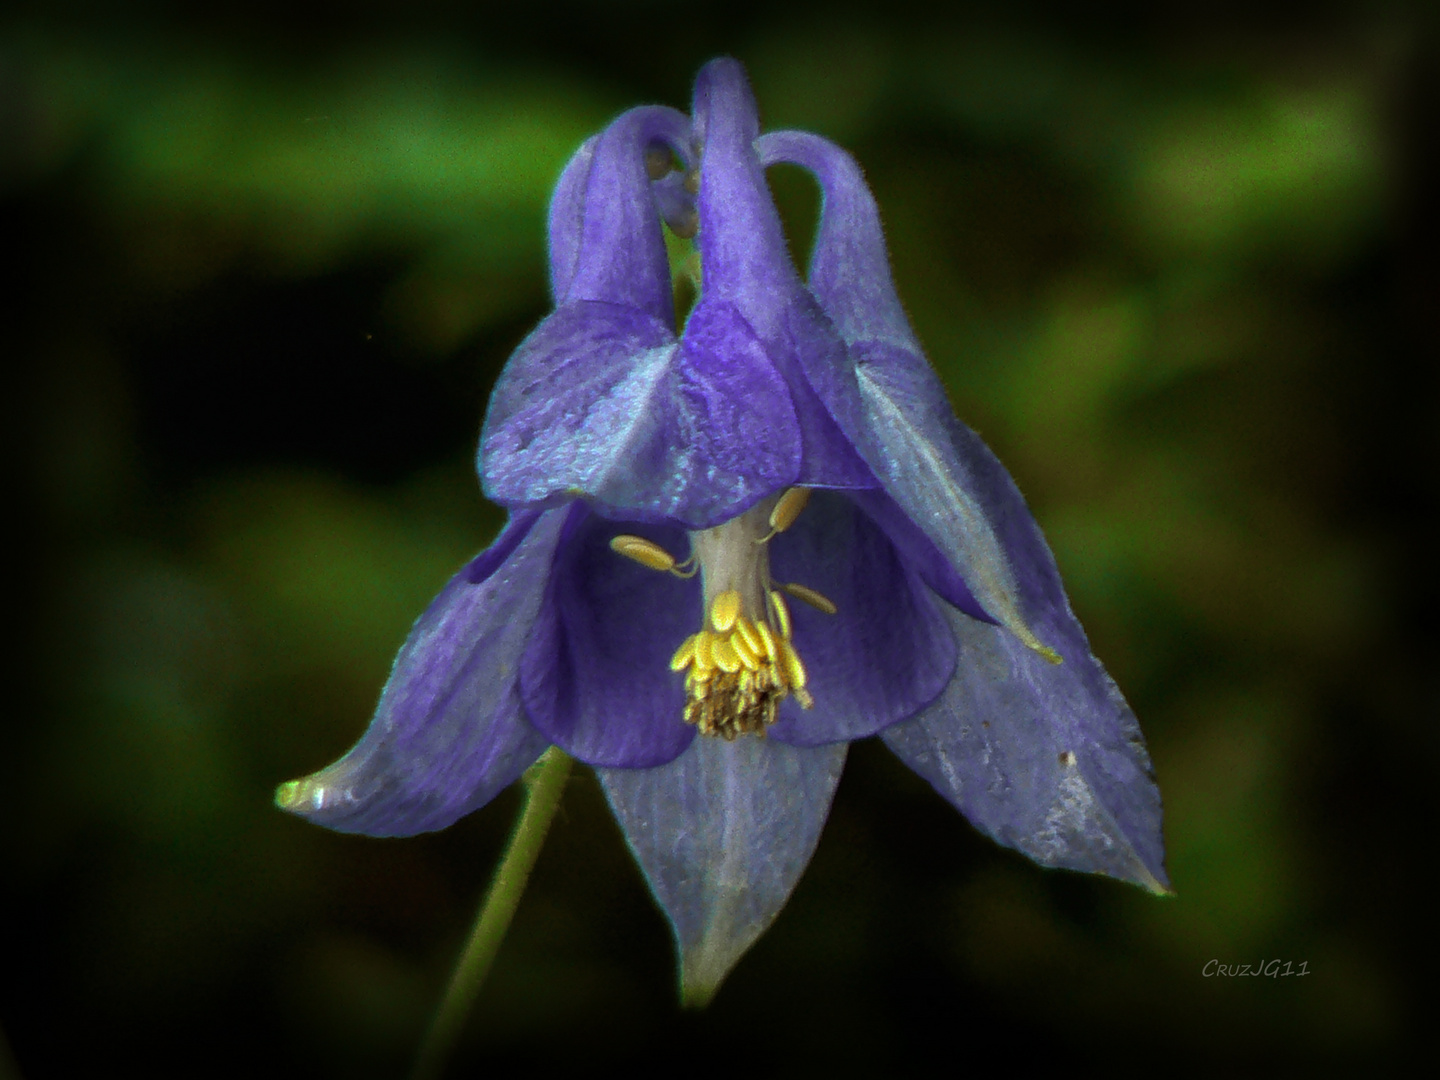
[[849, 266], [886, 653], [1010, 777], [621, 257], [916, 441], [748, 264], [566, 221], [746, 260], [448, 733], [919, 551], [1045, 759], [567, 218], [596, 675], [596, 401], [516, 529], [723, 833], [1076, 699]]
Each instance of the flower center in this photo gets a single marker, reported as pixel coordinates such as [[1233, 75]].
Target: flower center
[[741, 664]]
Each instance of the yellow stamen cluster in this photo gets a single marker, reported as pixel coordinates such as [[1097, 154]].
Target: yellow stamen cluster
[[739, 670], [741, 664]]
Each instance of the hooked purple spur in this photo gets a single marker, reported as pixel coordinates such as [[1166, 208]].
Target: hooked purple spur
[[671, 496]]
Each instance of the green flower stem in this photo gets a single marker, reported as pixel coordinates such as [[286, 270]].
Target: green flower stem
[[544, 783]]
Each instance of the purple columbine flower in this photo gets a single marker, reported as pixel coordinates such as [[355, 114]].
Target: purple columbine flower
[[733, 550]]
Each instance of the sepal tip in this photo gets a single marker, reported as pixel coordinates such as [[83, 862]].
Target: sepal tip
[[296, 796]]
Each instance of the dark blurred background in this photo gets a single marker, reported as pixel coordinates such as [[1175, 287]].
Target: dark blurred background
[[1175, 263]]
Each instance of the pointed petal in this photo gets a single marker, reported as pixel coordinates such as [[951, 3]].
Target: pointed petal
[[621, 257], [748, 264], [448, 733], [599, 400], [723, 833], [596, 675], [887, 652], [1046, 759], [567, 218]]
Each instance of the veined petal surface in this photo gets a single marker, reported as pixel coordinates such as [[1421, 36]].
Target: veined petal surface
[[1045, 759], [601, 400], [885, 654], [1072, 707], [595, 677], [916, 445], [925, 460], [747, 263], [723, 833], [448, 733]]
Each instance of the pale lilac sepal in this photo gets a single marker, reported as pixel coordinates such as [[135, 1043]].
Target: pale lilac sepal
[[449, 733], [723, 833]]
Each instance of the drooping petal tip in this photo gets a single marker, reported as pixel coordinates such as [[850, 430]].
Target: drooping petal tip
[[723, 834], [1047, 760], [449, 731], [295, 795]]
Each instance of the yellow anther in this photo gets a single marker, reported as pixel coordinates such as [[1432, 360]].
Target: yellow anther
[[643, 551], [782, 613], [724, 610], [704, 654], [726, 658], [788, 508], [652, 555], [683, 655], [816, 600], [791, 665], [748, 656], [745, 629], [767, 641]]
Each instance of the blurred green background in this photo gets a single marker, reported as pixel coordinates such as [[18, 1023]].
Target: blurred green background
[[1175, 264]]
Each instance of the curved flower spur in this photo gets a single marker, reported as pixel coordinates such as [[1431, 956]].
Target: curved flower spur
[[733, 550]]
